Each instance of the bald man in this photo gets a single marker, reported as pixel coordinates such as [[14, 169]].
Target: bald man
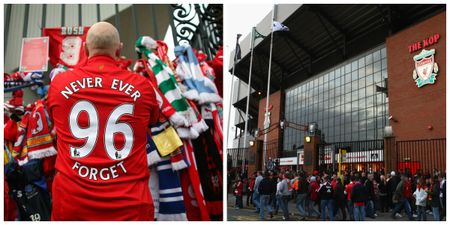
[[100, 112]]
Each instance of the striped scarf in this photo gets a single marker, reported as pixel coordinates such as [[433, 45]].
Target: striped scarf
[[167, 84], [171, 202], [200, 88]]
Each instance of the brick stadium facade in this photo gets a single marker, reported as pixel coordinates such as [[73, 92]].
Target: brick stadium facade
[[417, 115]]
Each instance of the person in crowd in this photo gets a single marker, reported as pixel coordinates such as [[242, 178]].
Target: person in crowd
[[340, 199], [326, 199], [348, 192], [391, 186], [370, 209], [442, 194], [265, 189], [250, 190], [283, 194], [359, 198], [421, 199], [313, 197], [238, 192], [400, 197], [435, 198], [77, 197], [275, 178], [383, 193], [256, 195], [302, 187]]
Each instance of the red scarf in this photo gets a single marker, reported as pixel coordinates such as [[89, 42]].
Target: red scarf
[[194, 200]]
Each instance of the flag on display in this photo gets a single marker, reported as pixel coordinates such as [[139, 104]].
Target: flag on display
[[238, 51], [277, 26], [257, 34]]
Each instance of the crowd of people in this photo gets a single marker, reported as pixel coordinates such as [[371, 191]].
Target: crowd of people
[[354, 195]]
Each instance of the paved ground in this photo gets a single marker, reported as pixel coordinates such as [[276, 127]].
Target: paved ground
[[248, 214]]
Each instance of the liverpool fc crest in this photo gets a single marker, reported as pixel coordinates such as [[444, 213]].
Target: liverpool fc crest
[[426, 69]]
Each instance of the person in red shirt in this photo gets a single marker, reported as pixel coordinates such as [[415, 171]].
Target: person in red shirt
[[251, 186], [313, 197], [101, 112], [238, 193], [348, 191]]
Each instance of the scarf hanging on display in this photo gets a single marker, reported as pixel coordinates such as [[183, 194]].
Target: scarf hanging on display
[[217, 65], [20, 151], [39, 139], [161, 52], [166, 83], [209, 164], [211, 117], [152, 153], [192, 189], [66, 45], [153, 185], [188, 69], [207, 70], [158, 131], [171, 204]]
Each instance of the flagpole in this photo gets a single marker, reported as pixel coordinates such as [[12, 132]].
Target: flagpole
[[266, 114], [249, 88], [232, 87]]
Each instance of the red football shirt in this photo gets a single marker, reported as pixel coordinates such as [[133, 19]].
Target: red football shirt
[[100, 113], [66, 45]]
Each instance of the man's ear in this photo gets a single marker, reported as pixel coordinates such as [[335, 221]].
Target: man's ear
[[119, 50], [86, 50]]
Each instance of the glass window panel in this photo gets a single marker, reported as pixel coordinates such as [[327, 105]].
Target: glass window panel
[[361, 62], [354, 95], [355, 106], [383, 53], [355, 75], [331, 75], [370, 134], [337, 81], [348, 68], [348, 97], [355, 85], [355, 116], [362, 72], [370, 118], [369, 101], [384, 63], [369, 59], [348, 137], [369, 69], [348, 108], [377, 66], [369, 80], [376, 55], [348, 78], [384, 74], [348, 87], [362, 102], [377, 77], [354, 65], [363, 135]]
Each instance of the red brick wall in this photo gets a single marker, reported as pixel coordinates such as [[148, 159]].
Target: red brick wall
[[275, 100], [415, 109]]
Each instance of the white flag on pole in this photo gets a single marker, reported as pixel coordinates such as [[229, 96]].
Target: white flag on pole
[[277, 26]]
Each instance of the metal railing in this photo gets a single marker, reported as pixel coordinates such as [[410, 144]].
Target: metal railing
[[426, 156]]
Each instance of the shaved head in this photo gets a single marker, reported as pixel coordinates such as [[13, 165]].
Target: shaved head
[[103, 39]]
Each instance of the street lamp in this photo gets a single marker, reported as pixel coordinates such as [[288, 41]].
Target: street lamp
[[251, 143]]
